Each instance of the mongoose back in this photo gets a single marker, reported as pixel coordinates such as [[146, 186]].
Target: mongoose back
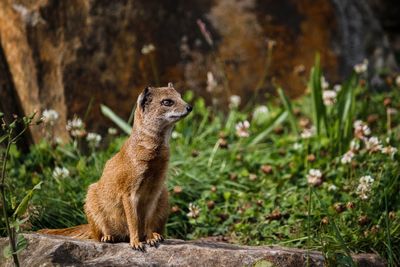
[[130, 201]]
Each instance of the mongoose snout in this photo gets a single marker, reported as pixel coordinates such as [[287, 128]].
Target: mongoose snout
[[189, 109]]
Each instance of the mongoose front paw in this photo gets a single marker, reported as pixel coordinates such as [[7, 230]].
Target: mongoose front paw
[[136, 245], [107, 239], [154, 239]]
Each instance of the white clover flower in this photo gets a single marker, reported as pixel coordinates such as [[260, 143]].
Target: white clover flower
[[373, 144], [76, 127], [297, 146], [314, 177], [76, 122], [347, 157], [58, 140], [60, 173], [211, 82], [324, 83], [361, 67], [112, 131], [50, 116], [329, 97], [308, 133], [361, 129], [260, 110], [147, 49], [242, 129], [234, 101], [391, 111], [364, 188], [397, 81], [194, 211], [389, 150], [332, 188], [175, 135], [260, 114], [93, 139], [337, 88]]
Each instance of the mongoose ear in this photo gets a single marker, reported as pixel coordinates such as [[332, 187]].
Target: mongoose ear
[[144, 97], [170, 85]]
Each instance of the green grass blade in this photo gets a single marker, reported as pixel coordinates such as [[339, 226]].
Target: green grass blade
[[277, 121], [124, 126], [346, 110], [318, 106], [2, 138], [288, 106], [25, 201]]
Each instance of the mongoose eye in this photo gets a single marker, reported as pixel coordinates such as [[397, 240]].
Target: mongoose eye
[[167, 102]]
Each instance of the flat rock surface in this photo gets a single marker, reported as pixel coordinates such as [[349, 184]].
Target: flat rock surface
[[45, 250]]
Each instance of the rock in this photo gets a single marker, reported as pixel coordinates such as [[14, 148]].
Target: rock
[[43, 250], [65, 55]]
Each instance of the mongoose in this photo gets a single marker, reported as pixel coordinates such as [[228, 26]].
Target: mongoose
[[130, 201]]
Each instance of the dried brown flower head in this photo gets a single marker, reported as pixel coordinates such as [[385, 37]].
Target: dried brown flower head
[[267, 169]]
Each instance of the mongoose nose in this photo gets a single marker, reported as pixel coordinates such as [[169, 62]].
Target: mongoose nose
[[189, 108]]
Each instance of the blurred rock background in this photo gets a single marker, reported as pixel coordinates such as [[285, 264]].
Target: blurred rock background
[[72, 56]]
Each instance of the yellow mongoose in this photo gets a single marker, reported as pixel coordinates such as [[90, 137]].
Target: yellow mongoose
[[130, 201]]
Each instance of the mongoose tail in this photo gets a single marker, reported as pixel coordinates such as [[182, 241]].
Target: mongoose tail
[[81, 231]]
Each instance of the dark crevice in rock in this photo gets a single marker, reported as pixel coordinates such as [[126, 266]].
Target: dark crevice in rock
[[9, 102]]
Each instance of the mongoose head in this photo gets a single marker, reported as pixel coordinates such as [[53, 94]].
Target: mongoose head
[[161, 107]]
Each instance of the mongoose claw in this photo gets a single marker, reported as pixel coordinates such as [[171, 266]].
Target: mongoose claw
[[107, 239], [138, 246], [151, 242], [158, 237], [154, 241]]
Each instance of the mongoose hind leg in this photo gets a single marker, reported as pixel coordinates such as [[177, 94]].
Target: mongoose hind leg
[[158, 219], [99, 227], [95, 232]]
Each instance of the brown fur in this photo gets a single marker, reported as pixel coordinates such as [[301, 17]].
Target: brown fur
[[81, 231], [130, 201]]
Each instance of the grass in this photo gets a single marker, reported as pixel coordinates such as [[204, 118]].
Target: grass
[[250, 190]]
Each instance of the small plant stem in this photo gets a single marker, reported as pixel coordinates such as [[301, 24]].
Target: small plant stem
[[309, 225], [96, 162], [15, 138], [78, 145], [351, 173], [306, 154], [236, 149], [264, 76], [10, 233], [388, 122], [89, 108], [389, 243]]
